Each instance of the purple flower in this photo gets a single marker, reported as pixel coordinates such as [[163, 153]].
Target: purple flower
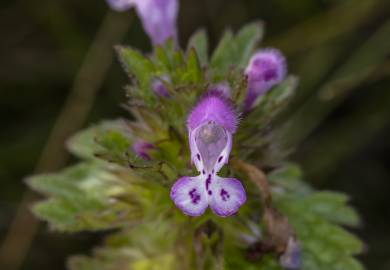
[[266, 69], [158, 86], [142, 148], [291, 258], [158, 16], [211, 125]]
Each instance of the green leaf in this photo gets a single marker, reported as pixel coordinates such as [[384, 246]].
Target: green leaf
[[139, 66], [162, 60], [267, 111], [135, 63], [273, 103], [167, 58], [246, 41], [163, 262], [118, 150], [80, 198], [92, 178], [149, 246], [314, 217], [288, 177], [332, 206], [199, 42], [114, 141], [193, 73], [55, 184], [235, 51], [222, 56], [83, 214], [84, 143], [348, 263], [170, 49]]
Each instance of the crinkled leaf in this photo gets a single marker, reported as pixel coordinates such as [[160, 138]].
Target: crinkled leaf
[[84, 143], [314, 217], [222, 56], [235, 51], [80, 198], [199, 42], [193, 73], [142, 68], [246, 41], [149, 246], [271, 104]]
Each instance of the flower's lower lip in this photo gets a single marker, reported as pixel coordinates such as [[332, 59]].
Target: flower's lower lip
[[193, 195]]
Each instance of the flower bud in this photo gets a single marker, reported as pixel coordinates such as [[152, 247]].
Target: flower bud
[[266, 69], [142, 149], [291, 258], [158, 86]]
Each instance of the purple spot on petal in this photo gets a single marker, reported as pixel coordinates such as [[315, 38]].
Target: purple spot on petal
[[210, 192], [198, 156], [208, 182], [195, 197], [224, 195], [270, 74], [220, 158]]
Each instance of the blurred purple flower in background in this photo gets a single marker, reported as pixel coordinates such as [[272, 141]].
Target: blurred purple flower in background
[[158, 16], [266, 69], [142, 149], [211, 125], [159, 88], [291, 258]]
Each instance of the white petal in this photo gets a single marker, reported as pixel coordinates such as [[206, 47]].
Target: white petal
[[227, 196], [188, 194]]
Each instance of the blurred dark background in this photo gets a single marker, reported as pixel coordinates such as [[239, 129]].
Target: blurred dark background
[[58, 74]]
